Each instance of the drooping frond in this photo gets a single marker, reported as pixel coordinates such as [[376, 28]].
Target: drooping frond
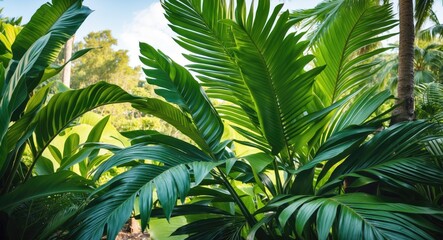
[[117, 197], [179, 87]]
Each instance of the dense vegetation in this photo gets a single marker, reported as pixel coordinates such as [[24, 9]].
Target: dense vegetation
[[287, 133]]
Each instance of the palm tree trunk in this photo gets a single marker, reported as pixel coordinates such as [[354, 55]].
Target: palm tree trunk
[[66, 77], [405, 87]]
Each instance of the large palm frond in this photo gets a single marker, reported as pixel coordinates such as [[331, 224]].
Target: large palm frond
[[431, 33], [272, 64], [172, 180], [347, 68], [390, 163], [404, 139], [62, 18], [243, 67], [202, 30], [423, 11], [35, 47]]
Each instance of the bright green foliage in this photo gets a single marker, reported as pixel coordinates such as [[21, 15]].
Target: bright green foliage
[[177, 86], [428, 64], [322, 166], [315, 162], [30, 122]]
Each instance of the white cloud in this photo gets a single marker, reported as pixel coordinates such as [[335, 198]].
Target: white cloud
[[150, 26]]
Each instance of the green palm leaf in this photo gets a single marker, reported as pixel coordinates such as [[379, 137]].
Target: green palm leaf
[[360, 110], [202, 32], [61, 20], [168, 155], [35, 47], [406, 141], [272, 63], [405, 173], [423, 11], [366, 24], [357, 216], [114, 207], [8, 33], [61, 110], [178, 86]]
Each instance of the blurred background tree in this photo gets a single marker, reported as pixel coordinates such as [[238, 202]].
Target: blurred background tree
[[105, 63]]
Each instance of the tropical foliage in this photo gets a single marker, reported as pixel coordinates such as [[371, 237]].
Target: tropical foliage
[[309, 158], [287, 132], [36, 206]]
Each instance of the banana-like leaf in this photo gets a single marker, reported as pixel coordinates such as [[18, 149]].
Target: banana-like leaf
[[114, 207], [178, 86], [8, 33], [358, 216], [65, 107], [168, 155], [14, 90], [35, 47], [153, 137], [60, 20], [43, 186], [62, 17]]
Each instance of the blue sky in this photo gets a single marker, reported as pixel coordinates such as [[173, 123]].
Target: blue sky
[[108, 14], [132, 21]]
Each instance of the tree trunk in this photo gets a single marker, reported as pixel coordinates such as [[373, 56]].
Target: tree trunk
[[66, 77], [405, 86]]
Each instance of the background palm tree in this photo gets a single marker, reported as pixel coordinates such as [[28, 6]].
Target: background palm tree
[[405, 85]]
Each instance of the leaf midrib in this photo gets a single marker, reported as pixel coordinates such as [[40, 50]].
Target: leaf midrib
[[274, 90], [342, 57]]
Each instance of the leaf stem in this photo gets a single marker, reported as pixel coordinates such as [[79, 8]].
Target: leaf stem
[[277, 177], [15, 164], [249, 218]]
